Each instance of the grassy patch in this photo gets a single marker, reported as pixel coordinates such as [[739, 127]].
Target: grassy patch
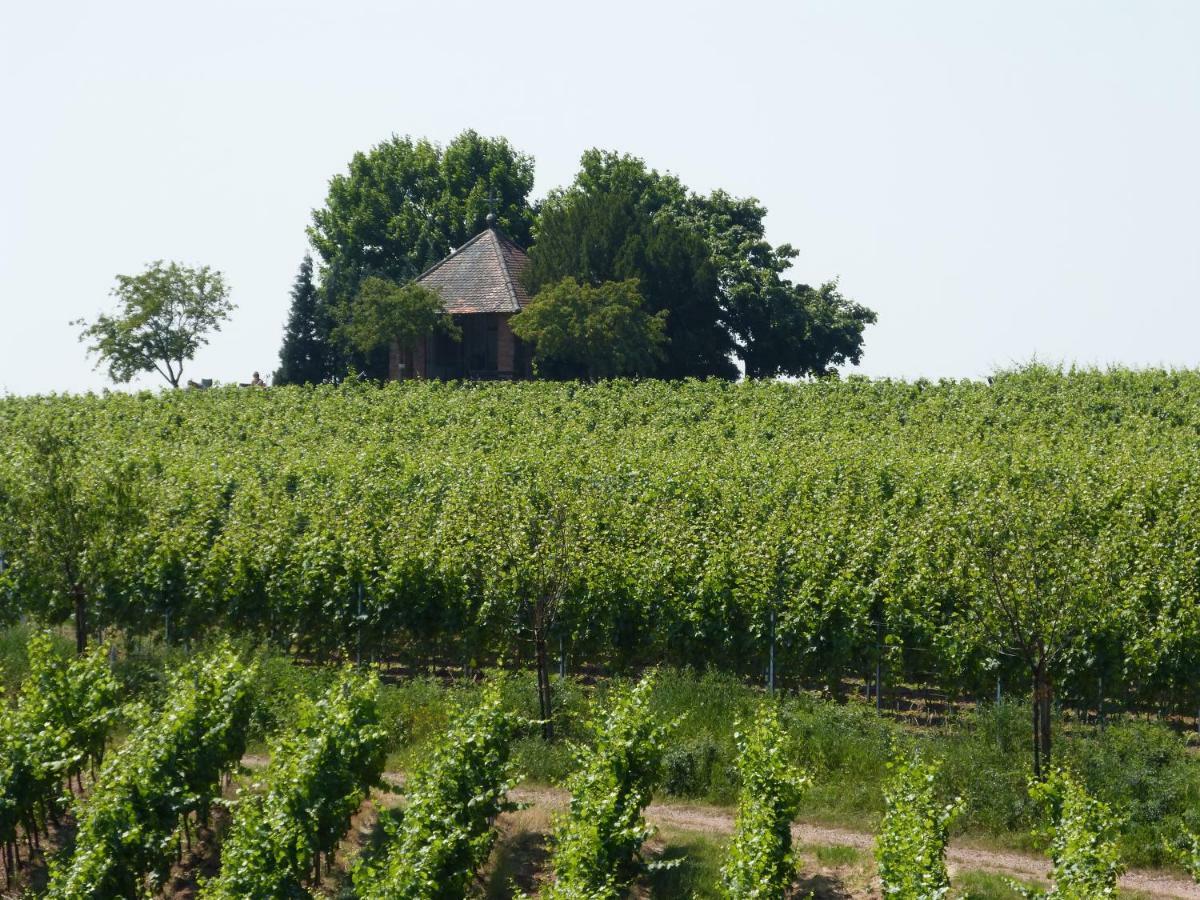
[[835, 855], [696, 872], [986, 886]]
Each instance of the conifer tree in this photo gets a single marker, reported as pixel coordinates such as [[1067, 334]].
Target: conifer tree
[[304, 356]]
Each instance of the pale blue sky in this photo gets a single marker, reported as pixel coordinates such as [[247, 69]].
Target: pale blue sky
[[997, 180]]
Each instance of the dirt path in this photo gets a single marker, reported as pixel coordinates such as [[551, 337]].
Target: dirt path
[[715, 820]]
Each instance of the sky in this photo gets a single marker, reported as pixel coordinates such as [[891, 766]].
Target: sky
[[999, 181]]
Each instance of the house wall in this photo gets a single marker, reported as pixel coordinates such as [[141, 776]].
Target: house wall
[[506, 349], [414, 362], [420, 362]]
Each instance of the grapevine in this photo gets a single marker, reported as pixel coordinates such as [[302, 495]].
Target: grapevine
[[448, 826], [168, 770], [598, 841], [761, 865], [318, 777]]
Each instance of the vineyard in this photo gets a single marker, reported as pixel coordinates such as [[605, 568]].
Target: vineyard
[[962, 548], [175, 779], [1039, 530]]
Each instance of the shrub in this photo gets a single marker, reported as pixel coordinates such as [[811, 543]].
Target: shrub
[[687, 767], [599, 839], [761, 864], [911, 846], [1083, 843]]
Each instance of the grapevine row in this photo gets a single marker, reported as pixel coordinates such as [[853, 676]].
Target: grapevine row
[[58, 728], [318, 777], [169, 770], [447, 829], [1036, 532]]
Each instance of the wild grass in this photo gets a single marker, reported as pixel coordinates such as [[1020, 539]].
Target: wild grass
[[696, 872], [835, 855]]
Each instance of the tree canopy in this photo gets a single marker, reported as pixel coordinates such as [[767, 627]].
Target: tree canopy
[[384, 311], [164, 316], [584, 331], [406, 204], [779, 328], [703, 259], [613, 224]]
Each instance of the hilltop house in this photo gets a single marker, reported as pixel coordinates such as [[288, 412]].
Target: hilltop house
[[480, 286]]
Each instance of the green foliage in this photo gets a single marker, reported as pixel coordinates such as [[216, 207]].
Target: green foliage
[[705, 261], [1187, 853], [383, 312], [14, 658], [320, 772], [59, 725], [305, 356], [911, 845], [780, 328], [850, 510], [597, 842], [613, 224], [404, 205], [581, 331], [67, 514], [761, 864], [164, 316], [448, 826], [1082, 831], [169, 769]]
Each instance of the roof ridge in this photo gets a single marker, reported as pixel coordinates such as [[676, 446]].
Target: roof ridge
[[498, 237]]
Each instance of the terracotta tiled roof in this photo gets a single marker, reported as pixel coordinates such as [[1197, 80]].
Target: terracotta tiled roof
[[481, 276]]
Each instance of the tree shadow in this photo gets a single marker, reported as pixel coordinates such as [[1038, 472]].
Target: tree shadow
[[821, 887], [518, 865]]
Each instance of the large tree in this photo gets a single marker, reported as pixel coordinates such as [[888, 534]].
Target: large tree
[[780, 328], [703, 259], [305, 355], [616, 223], [164, 316], [584, 331], [405, 204]]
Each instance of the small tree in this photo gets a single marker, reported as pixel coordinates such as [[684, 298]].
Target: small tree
[[305, 355], [165, 315], [383, 312], [761, 864], [70, 517], [911, 847], [1031, 542], [584, 331]]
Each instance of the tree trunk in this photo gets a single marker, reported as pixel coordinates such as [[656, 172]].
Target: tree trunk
[[80, 597], [1043, 696], [1037, 727], [543, 674], [1047, 703]]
